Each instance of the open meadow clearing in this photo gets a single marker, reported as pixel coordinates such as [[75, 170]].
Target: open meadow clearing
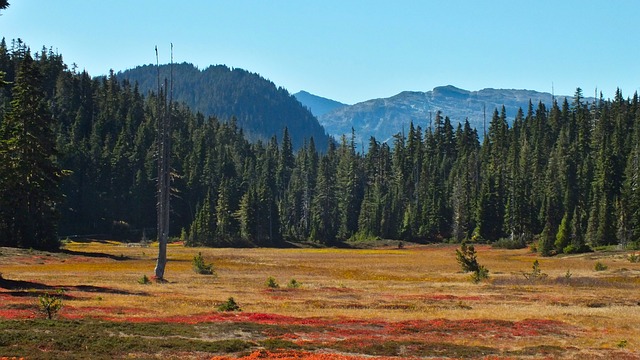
[[379, 303]]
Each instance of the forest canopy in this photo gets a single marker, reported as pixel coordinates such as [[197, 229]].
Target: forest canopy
[[77, 157]]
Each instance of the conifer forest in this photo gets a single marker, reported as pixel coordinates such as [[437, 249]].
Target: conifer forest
[[78, 157]]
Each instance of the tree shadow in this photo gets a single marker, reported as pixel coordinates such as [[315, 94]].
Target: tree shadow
[[21, 288], [24, 285], [95, 255]]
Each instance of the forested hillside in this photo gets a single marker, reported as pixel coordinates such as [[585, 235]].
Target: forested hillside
[[563, 174], [262, 110]]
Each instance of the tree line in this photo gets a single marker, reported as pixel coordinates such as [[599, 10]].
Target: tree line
[[77, 156]]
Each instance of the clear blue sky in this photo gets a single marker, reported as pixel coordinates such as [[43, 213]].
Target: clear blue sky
[[351, 50]]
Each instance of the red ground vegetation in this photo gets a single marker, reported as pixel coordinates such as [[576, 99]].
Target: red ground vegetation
[[297, 355]]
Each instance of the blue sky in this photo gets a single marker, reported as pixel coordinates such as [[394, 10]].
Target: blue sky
[[353, 50]]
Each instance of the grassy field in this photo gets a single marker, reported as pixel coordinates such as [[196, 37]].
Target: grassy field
[[350, 304]]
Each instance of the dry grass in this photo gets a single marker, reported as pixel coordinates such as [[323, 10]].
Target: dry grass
[[419, 283]]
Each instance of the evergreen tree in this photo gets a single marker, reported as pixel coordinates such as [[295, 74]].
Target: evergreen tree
[[226, 227], [30, 188], [601, 229], [349, 181], [203, 228], [325, 217], [629, 214]]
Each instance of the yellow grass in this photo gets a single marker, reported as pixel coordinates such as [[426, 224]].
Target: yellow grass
[[414, 283]]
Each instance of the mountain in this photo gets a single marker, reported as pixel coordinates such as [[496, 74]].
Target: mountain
[[317, 104], [383, 118], [262, 110]]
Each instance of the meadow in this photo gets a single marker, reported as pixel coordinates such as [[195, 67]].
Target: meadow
[[380, 303]]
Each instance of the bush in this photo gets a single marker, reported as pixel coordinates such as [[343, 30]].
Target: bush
[[144, 280], [50, 304], [634, 258], [468, 261], [481, 274], [293, 284], [200, 267], [600, 266], [271, 283], [572, 249], [507, 243], [229, 305]]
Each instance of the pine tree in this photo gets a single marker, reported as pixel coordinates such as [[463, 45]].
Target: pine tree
[[629, 214], [203, 228], [348, 188], [30, 188], [601, 229], [225, 222], [325, 219]]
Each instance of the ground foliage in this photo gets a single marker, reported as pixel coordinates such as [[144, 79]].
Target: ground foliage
[[360, 303]]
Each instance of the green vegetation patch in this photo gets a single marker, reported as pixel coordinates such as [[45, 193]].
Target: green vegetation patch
[[414, 348], [44, 339]]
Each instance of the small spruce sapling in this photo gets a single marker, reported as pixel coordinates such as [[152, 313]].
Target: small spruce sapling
[[272, 283], [200, 267], [229, 305], [293, 284], [468, 261], [536, 273]]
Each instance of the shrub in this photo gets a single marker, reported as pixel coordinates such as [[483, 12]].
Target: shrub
[[481, 274], [510, 243], [600, 266], [293, 284], [50, 304], [272, 283], [573, 249], [144, 280], [200, 267], [229, 305], [468, 261], [634, 258], [535, 274]]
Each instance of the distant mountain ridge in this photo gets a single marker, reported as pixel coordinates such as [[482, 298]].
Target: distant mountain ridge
[[385, 117], [262, 110], [317, 105]]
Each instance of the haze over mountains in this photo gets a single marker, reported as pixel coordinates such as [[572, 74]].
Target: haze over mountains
[[317, 104], [261, 108], [382, 118]]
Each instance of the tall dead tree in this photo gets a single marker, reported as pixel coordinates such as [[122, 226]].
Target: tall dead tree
[[163, 142]]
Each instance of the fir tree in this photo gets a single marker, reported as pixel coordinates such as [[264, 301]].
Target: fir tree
[[30, 188]]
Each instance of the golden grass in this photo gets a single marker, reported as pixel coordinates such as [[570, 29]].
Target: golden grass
[[415, 283]]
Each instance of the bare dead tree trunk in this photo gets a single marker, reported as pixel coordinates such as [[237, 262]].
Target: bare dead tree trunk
[[164, 169]]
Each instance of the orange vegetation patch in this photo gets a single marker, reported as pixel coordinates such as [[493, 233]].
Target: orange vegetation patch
[[14, 314], [442, 297], [360, 331], [99, 312], [297, 355]]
